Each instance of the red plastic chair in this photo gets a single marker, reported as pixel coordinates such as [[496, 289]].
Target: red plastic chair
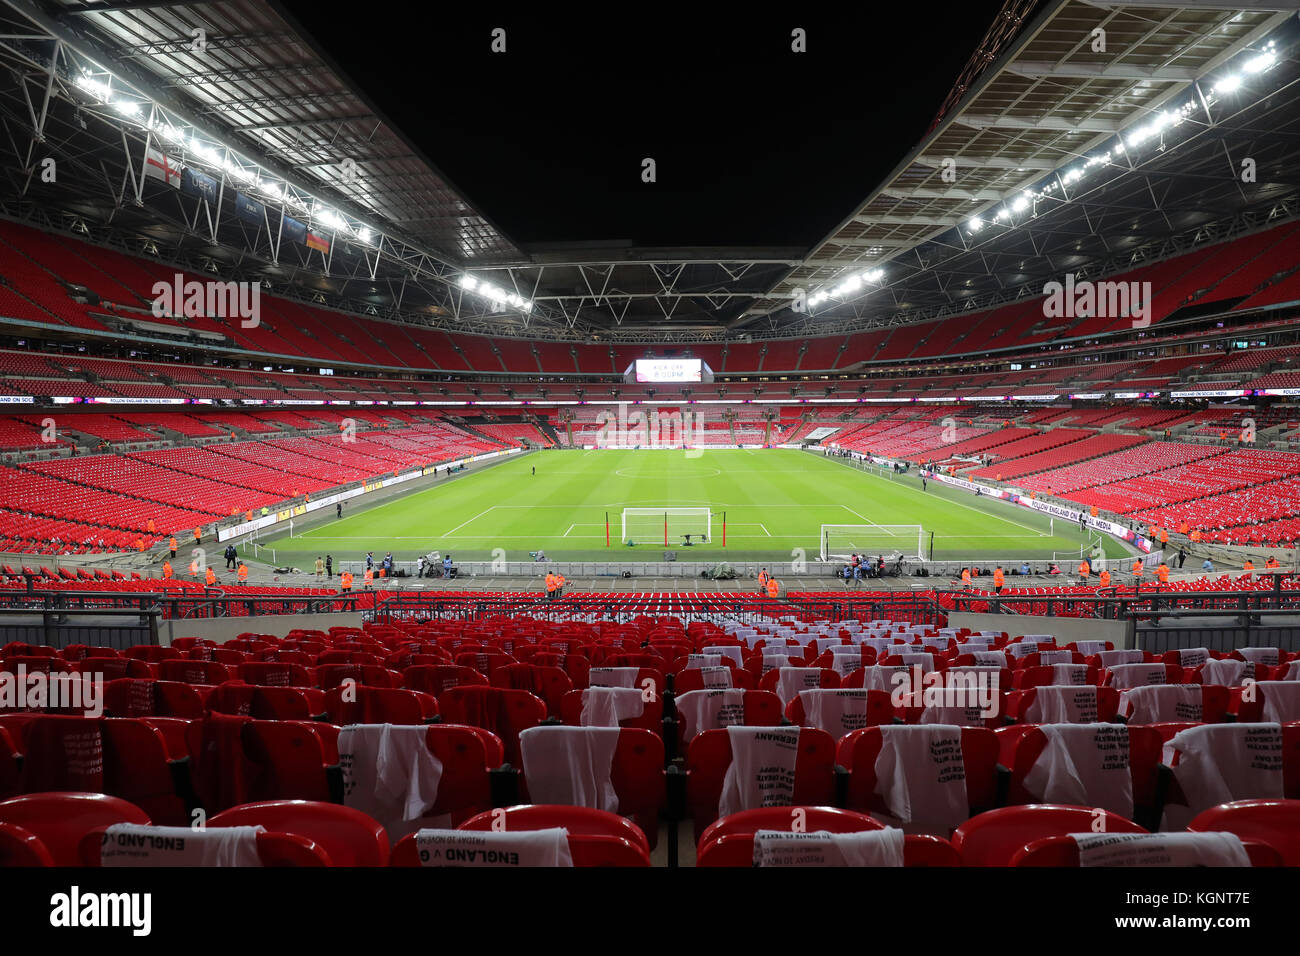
[[586, 851], [19, 847], [651, 719], [194, 672], [62, 820], [1063, 851], [551, 684], [993, 838], [692, 678], [379, 705], [349, 837], [1018, 703], [857, 752], [131, 697], [762, 708], [812, 819], [1275, 823], [919, 850], [880, 709], [637, 775], [437, 679], [709, 755], [237, 760], [505, 713]]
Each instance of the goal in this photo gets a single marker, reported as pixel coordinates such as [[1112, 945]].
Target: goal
[[666, 525], [839, 541]]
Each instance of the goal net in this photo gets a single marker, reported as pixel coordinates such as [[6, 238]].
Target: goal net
[[666, 525], [840, 541]]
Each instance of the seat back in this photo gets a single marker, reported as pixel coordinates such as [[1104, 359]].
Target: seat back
[[994, 837], [348, 837], [504, 712], [857, 752], [1275, 823], [62, 820], [709, 755]]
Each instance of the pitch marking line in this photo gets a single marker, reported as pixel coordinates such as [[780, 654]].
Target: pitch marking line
[[446, 534], [867, 520]]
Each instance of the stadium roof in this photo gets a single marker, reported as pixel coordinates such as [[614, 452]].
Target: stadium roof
[[252, 105]]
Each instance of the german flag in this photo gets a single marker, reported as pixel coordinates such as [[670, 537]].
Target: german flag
[[319, 243]]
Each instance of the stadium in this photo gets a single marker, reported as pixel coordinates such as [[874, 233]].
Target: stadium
[[441, 480]]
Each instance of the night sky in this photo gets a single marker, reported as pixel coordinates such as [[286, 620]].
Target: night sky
[[754, 145]]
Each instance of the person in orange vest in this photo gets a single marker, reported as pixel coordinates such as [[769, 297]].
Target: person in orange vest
[[171, 545], [1248, 566], [560, 582], [1272, 562], [773, 587], [151, 527], [167, 570], [1137, 569], [198, 535], [248, 515], [211, 577], [965, 577], [998, 579], [999, 476], [346, 580], [1104, 579], [1093, 511], [243, 572], [1162, 573], [550, 585], [139, 544], [1084, 571], [1184, 527], [368, 579], [1164, 535], [194, 569], [762, 581], [1195, 535], [974, 572]]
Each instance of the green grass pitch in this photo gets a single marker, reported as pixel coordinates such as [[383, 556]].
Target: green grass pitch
[[775, 501]]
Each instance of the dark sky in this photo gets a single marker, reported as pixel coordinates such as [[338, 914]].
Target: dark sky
[[754, 145]]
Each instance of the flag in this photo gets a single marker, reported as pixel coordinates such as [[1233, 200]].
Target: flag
[[291, 228], [318, 243], [159, 165], [249, 210], [195, 183]]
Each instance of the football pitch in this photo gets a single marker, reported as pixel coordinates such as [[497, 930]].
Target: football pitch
[[774, 501]]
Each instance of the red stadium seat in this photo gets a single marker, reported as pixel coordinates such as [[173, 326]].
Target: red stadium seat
[[1275, 823], [19, 847], [348, 837], [505, 713], [709, 755], [993, 838], [62, 820]]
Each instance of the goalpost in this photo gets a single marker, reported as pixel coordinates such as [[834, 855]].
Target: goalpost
[[839, 541], [666, 525]]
